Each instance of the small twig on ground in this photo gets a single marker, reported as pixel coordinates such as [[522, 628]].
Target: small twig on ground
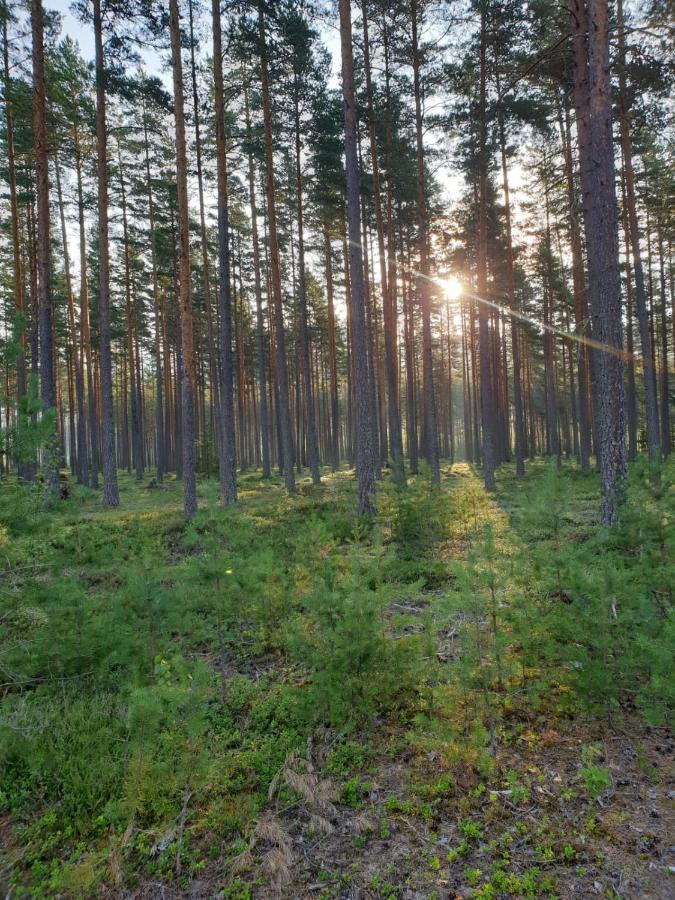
[[187, 793]]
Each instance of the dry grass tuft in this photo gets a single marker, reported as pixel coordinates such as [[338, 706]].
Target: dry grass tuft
[[319, 823], [318, 793], [241, 863], [362, 823], [270, 829], [276, 867]]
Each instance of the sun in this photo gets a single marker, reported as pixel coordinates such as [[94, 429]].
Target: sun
[[452, 287]]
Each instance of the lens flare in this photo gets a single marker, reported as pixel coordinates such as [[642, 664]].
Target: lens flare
[[452, 287]]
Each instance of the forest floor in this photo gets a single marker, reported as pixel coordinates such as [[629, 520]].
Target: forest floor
[[279, 701]]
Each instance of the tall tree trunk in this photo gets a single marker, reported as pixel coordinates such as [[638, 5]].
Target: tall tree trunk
[[284, 412], [208, 307], [188, 381], [228, 482], [486, 398], [109, 463], [596, 153], [47, 368], [24, 469], [365, 453], [423, 284]]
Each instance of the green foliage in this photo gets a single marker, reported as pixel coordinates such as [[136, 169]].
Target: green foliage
[[353, 792], [471, 830], [356, 668], [596, 608], [419, 518], [345, 757], [595, 778], [31, 428]]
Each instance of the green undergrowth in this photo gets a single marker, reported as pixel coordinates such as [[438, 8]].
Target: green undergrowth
[[157, 673]]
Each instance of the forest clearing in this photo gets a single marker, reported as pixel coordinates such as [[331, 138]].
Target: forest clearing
[[337, 344]]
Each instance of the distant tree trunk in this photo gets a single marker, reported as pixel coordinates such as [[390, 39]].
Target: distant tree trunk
[[85, 337], [160, 445], [332, 361], [228, 482], [549, 344], [486, 398], [631, 403], [424, 292], [451, 426], [580, 303], [47, 368], [665, 387], [370, 333], [365, 457], [260, 330], [187, 341], [284, 411], [134, 387], [651, 402], [310, 419], [409, 343], [81, 469], [591, 40], [109, 463], [466, 394], [518, 426]]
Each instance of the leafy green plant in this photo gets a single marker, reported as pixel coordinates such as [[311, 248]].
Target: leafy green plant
[[595, 779]]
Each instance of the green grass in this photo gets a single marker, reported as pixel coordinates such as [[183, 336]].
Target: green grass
[[154, 669]]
